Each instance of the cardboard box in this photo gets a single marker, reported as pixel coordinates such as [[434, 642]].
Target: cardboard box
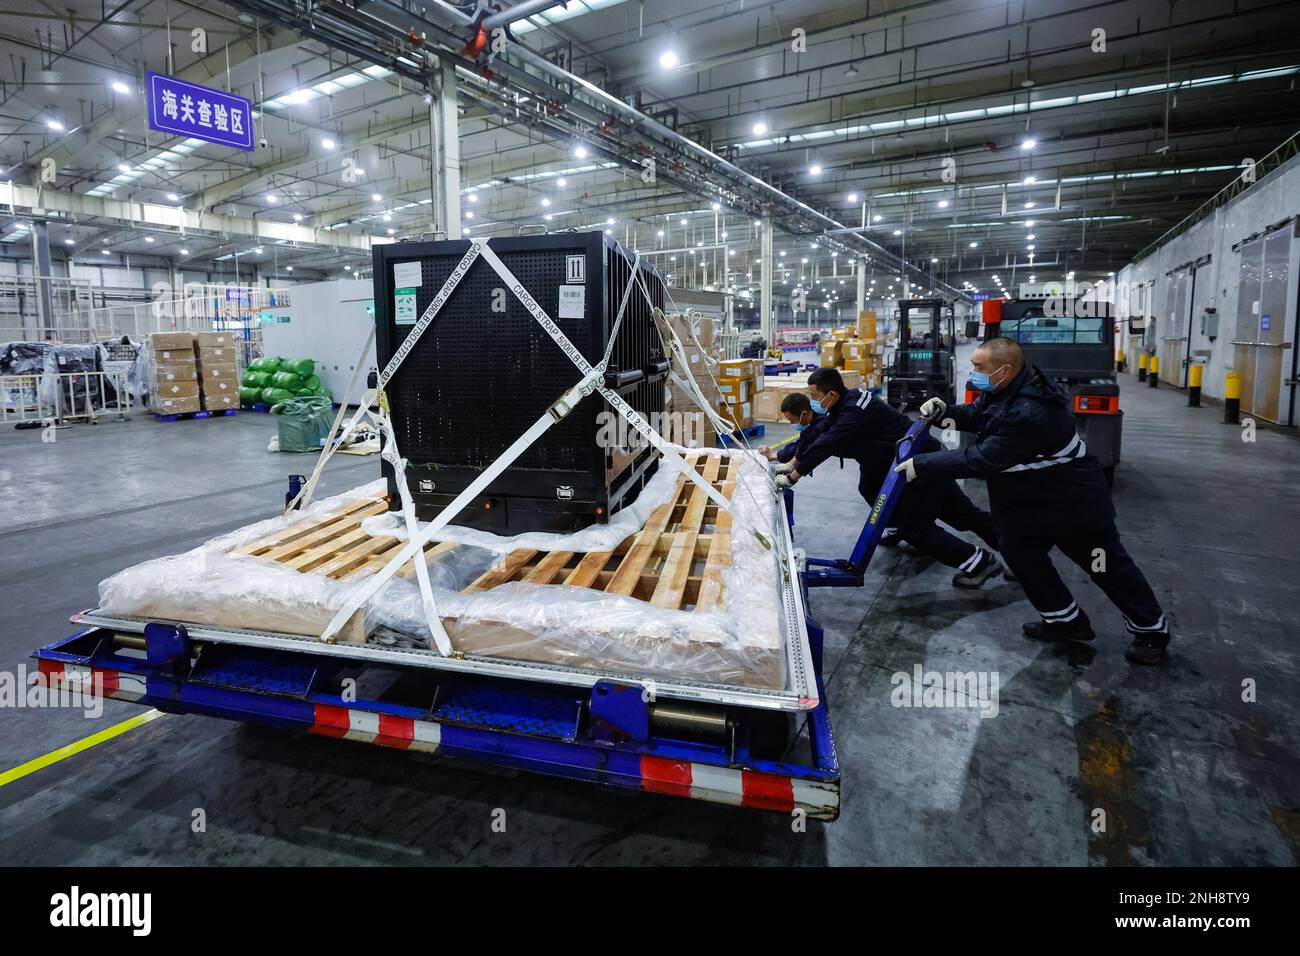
[[220, 387], [220, 373], [216, 340], [214, 403], [174, 357], [867, 324], [742, 415], [176, 390], [177, 406], [704, 329], [735, 390], [224, 356], [840, 333], [829, 356], [740, 368], [176, 373], [767, 404], [860, 368], [853, 350], [171, 340]]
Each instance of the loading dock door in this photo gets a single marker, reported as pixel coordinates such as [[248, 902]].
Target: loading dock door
[[1173, 343], [1262, 322]]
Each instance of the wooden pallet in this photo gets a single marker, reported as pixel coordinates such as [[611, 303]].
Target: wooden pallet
[[676, 561]]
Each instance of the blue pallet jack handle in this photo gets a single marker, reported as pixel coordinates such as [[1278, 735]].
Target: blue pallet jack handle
[[849, 572], [295, 485]]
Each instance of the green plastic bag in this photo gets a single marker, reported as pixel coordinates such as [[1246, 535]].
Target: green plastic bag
[[304, 423], [286, 380], [270, 364], [249, 395], [324, 391], [256, 378], [311, 382], [274, 396], [300, 367]]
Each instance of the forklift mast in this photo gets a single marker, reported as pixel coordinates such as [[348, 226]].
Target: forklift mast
[[924, 362]]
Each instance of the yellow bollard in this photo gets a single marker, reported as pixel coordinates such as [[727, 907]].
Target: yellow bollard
[[1195, 371], [1153, 369], [1142, 366], [1232, 398]]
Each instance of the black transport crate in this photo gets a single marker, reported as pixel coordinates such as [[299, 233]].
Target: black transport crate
[[485, 370]]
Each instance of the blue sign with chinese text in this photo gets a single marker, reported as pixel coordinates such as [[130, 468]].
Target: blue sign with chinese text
[[187, 109]]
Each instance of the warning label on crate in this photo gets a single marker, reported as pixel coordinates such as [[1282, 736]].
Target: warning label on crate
[[575, 268], [407, 275], [573, 301], [404, 307]]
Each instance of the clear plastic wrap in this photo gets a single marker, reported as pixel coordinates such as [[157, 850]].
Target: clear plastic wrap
[[738, 643]]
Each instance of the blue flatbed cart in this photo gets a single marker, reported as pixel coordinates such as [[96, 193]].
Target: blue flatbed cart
[[718, 743]]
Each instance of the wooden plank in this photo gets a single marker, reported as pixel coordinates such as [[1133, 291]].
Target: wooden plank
[[643, 548], [681, 553], [719, 557], [351, 560], [325, 532], [548, 568], [296, 531], [501, 572]]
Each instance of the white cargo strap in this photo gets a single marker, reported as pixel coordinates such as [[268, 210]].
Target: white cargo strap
[[431, 615], [615, 400]]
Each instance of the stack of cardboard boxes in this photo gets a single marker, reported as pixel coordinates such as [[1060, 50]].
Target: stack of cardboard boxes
[[194, 372], [740, 381], [685, 423], [854, 349], [218, 370], [175, 385]]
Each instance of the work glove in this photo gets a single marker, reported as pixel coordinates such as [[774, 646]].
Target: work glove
[[933, 407], [783, 482], [908, 468], [767, 453], [784, 468]]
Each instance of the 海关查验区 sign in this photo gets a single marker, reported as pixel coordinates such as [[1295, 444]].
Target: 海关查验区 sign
[[187, 109]]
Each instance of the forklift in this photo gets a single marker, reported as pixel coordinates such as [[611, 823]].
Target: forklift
[[924, 363], [1076, 349]]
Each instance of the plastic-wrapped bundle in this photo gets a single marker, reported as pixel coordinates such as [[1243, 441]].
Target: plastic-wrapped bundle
[[21, 363], [63, 388]]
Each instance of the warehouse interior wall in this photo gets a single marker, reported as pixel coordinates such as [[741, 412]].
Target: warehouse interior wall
[[1213, 249]]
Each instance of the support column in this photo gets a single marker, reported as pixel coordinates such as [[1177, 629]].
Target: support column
[[444, 135], [765, 284], [41, 272], [862, 284]]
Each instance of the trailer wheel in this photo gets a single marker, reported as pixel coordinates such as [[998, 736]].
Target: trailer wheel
[[770, 734]]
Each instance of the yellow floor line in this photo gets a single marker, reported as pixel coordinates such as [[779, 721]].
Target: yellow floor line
[[85, 743]]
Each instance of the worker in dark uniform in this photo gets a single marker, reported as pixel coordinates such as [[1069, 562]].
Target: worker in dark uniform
[[866, 429], [797, 410], [1045, 491]]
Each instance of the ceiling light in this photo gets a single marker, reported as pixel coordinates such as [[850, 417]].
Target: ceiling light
[[297, 217], [1030, 180], [376, 197], [469, 215], [1028, 144], [851, 71], [105, 251], [1029, 223], [853, 197], [898, 232], [805, 261], [328, 143], [391, 231], [561, 182], [347, 268], [668, 59], [272, 198], [609, 221], [388, 217], [934, 258], [148, 238], [608, 231], [580, 152], [258, 250], [1032, 278], [877, 217], [545, 201], [124, 167], [54, 125], [716, 206], [120, 87], [473, 197], [1030, 247], [815, 169], [1029, 205], [548, 217], [185, 252], [172, 197], [760, 128], [660, 233], [288, 268], [68, 242], [974, 244], [943, 204]]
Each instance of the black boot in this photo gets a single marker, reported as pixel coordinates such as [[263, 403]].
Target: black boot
[[1080, 629], [984, 568], [1148, 648]]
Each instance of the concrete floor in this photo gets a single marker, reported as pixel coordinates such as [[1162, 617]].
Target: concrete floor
[[1186, 772]]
